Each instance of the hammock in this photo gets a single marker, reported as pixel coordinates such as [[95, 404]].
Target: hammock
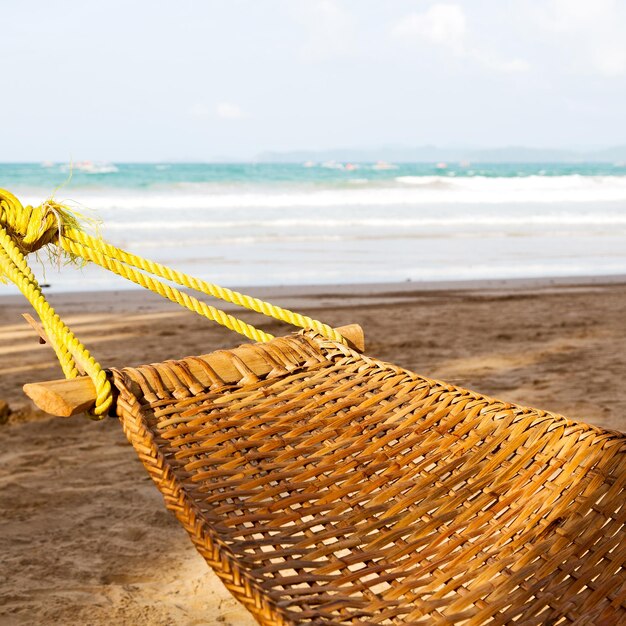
[[327, 487]]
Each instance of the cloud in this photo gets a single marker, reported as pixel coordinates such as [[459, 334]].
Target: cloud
[[568, 15], [445, 26], [504, 66], [328, 29], [610, 59], [589, 34], [229, 111], [222, 110], [442, 25], [200, 111]]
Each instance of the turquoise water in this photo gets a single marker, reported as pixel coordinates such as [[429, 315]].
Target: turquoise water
[[254, 224], [160, 175]]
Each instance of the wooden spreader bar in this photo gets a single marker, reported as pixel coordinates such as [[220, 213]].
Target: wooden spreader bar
[[65, 398]]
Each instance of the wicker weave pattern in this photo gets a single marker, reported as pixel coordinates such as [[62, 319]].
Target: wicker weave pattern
[[351, 491]]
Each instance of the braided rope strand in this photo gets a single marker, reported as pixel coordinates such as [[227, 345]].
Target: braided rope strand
[[30, 288], [209, 289], [70, 352], [166, 291], [26, 229]]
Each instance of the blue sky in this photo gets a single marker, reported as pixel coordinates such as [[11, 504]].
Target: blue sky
[[150, 80]]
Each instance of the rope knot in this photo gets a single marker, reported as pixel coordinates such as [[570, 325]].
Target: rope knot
[[32, 228]]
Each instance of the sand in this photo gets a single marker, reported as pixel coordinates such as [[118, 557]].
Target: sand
[[84, 536]]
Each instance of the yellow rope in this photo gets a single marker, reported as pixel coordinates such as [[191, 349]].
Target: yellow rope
[[222, 293], [68, 349], [26, 229], [171, 293]]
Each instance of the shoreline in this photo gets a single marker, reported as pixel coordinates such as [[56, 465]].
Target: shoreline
[[323, 295]]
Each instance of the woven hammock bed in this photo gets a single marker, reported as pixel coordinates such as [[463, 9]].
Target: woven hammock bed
[[324, 486]]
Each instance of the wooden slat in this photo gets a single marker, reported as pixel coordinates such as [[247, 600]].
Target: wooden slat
[[65, 398], [37, 327]]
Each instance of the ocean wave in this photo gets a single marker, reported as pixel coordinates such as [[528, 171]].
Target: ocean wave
[[426, 182], [406, 226], [412, 190], [560, 220]]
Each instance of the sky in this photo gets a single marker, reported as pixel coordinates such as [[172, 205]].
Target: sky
[[146, 80]]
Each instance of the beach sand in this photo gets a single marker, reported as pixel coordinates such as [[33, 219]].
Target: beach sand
[[84, 536]]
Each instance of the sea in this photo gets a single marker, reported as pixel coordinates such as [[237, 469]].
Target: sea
[[252, 224]]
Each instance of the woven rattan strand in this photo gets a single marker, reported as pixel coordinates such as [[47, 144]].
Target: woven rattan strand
[[350, 491]]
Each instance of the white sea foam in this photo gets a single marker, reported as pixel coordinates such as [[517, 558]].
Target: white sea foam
[[413, 227], [557, 220], [406, 190]]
